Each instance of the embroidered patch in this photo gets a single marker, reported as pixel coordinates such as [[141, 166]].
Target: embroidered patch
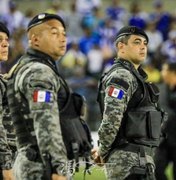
[[114, 92], [41, 96]]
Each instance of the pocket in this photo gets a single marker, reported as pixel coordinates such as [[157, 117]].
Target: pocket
[[154, 120], [136, 125]]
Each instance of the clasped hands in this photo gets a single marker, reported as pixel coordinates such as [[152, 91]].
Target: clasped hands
[[96, 157]]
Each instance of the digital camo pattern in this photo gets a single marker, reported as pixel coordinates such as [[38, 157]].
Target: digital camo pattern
[[7, 121], [114, 108], [25, 169], [119, 162], [8, 125], [5, 152], [45, 116]]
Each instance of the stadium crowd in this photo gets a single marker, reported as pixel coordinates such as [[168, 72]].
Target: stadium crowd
[[90, 37]]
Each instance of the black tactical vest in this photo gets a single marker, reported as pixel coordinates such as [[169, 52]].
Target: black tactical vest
[[141, 123]]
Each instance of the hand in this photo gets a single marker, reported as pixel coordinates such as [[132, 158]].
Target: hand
[[96, 157], [58, 177], [7, 174]]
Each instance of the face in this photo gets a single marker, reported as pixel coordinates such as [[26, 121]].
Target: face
[[4, 46], [135, 50], [51, 39]]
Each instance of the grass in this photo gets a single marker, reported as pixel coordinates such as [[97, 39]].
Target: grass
[[97, 173], [169, 172]]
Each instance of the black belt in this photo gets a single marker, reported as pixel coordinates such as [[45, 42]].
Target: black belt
[[136, 148]]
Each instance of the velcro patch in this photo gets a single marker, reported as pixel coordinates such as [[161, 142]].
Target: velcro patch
[[42, 96], [120, 82], [114, 92]]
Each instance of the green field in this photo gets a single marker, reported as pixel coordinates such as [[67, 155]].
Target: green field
[[169, 172], [98, 174]]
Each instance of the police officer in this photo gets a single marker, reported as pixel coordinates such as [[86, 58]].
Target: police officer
[[130, 127], [5, 151], [33, 92], [166, 152]]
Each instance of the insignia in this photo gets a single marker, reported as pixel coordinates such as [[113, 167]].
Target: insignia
[[41, 16], [41, 96], [114, 92], [132, 30]]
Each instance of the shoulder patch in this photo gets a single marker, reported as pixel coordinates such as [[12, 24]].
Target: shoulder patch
[[120, 82], [115, 92], [42, 96]]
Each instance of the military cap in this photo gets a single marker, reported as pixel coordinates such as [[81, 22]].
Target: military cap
[[129, 30], [4, 29], [43, 17]]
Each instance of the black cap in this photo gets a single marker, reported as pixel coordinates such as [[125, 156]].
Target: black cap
[[129, 30], [43, 17], [4, 29]]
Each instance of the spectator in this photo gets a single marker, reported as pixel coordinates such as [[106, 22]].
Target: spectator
[[168, 48], [166, 152], [137, 17], [161, 17], [117, 13], [14, 18]]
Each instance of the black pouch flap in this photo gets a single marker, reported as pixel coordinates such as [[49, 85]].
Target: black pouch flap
[[154, 120], [136, 125], [154, 92]]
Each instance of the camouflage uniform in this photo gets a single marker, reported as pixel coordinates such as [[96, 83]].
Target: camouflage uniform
[[7, 121], [40, 126], [5, 151], [119, 162]]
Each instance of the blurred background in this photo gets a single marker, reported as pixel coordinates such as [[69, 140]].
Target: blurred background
[[91, 29]]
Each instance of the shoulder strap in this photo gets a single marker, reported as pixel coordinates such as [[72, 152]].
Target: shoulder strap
[[101, 93], [134, 72], [113, 68]]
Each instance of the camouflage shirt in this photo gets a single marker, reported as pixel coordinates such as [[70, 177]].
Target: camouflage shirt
[[5, 152], [36, 87], [117, 96]]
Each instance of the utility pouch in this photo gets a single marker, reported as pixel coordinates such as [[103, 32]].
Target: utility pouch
[[136, 124], [144, 124], [78, 101], [75, 131], [136, 173], [32, 154], [154, 124], [154, 92], [138, 170]]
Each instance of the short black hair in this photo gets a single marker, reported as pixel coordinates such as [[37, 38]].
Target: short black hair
[[4, 29], [43, 17]]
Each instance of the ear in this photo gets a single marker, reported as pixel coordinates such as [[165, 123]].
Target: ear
[[120, 45], [34, 39]]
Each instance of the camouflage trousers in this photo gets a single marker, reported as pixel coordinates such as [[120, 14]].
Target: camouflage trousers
[[120, 162], [25, 169]]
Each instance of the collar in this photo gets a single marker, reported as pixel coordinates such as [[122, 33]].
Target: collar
[[131, 67], [41, 55]]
